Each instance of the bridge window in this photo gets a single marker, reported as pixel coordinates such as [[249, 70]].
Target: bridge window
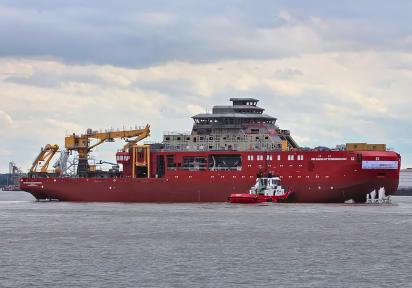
[[171, 161], [254, 131], [194, 163], [225, 162]]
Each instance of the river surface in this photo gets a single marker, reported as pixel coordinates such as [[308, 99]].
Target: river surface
[[61, 244]]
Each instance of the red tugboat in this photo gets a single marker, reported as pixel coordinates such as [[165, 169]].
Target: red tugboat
[[221, 156], [266, 189]]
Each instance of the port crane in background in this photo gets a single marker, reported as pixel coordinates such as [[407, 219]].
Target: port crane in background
[[15, 174], [82, 144], [13, 178]]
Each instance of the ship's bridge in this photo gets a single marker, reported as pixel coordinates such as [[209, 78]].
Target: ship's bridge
[[240, 105], [242, 111], [244, 101], [241, 126]]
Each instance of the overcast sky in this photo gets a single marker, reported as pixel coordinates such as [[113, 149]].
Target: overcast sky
[[330, 73]]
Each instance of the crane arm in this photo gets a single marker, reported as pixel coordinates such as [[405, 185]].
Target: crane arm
[[140, 134], [46, 154], [143, 135], [120, 134], [81, 143]]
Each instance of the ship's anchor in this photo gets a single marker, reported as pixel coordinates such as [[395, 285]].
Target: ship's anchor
[[378, 197]]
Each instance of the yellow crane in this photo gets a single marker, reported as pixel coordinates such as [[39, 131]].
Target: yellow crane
[[144, 134], [82, 143], [44, 158]]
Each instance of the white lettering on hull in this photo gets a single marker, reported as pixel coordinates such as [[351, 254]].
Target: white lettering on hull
[[32, 183], [329, 159]]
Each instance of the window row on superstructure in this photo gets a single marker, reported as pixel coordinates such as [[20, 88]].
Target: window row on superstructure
[[208, 138], [122, 157], [233, 121], [291, 157], [224, 147]]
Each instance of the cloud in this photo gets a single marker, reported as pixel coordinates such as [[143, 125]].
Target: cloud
[[5, 119], [195, 109], [156, 19], [4, 153], [142, 34]]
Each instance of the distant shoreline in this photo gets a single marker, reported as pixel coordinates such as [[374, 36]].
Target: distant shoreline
[[404, 192]]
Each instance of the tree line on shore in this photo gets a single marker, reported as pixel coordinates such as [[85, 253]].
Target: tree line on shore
[[3, 179]]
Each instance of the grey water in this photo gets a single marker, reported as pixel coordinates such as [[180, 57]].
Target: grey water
[[58, 244]]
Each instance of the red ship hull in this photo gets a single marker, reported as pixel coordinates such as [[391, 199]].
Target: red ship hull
[[247, 198], [318, 176]]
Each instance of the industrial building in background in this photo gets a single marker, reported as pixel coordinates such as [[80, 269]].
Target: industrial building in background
[[13, 178]]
